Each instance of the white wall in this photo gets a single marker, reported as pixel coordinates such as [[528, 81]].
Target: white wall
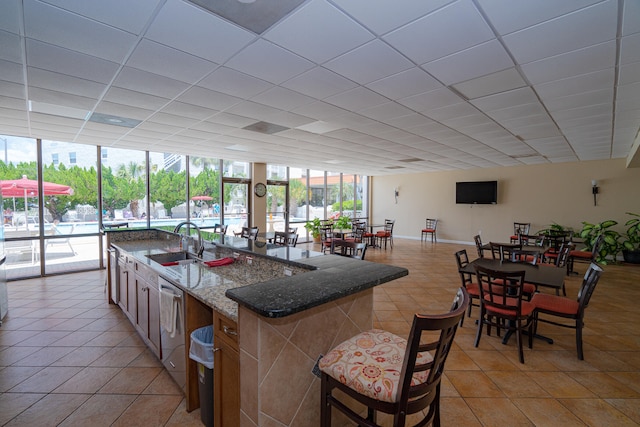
[[539, 194]]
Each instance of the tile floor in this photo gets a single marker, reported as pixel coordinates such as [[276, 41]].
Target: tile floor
[[69, 358]]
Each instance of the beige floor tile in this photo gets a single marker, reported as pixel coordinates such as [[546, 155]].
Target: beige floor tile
[[12, 404], [88, 381], [629, 407], [130, 381], [46, 380], [547, 412], [597, 412], [99, 410], [497, 412], [149, 410], [50, 410]]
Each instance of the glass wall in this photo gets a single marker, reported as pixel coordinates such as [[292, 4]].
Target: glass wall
[[59, 230]]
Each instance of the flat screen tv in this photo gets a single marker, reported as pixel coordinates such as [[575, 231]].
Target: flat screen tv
[[477, 192]]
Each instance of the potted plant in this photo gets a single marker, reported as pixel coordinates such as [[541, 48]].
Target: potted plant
[[313, 227], [343, 222], [610, 245], [631, 243]]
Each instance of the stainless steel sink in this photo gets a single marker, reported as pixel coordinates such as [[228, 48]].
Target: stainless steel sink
[[183, 257]]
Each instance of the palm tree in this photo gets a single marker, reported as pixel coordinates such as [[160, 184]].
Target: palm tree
[[132, 172]]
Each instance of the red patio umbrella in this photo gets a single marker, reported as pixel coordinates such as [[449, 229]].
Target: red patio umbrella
[[202, 198], [25, 187]]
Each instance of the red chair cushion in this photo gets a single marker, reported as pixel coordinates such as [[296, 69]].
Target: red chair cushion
[[473, 289], [383, 234], [526, 308], [581, 254], [529, 288], [555, 304], [428, 230]]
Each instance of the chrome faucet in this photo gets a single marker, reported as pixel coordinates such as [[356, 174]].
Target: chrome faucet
[[200, 246]]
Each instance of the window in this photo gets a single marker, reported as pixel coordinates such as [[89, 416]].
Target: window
[[72, 158], [104, 155], [54, 158]]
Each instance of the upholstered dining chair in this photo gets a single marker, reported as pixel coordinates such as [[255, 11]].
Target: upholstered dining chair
[[467, 279], [326, 236], [386, 234], [430, 228], [502, 305], [390, 374], [584, 256], [518, 229], [567, 308]]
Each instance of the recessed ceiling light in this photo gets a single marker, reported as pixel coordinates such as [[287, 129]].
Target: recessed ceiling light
[[108, 119]]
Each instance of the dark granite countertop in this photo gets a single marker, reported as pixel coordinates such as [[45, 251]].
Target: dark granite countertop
[[259, 280]]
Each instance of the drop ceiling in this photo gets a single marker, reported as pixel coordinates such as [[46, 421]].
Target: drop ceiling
[[360, 86]]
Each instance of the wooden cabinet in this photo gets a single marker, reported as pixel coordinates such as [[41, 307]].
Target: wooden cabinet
[[148, 307], [226, 372], [127, 287]]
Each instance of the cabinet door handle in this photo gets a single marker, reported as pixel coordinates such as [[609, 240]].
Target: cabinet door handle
[[229, 331]]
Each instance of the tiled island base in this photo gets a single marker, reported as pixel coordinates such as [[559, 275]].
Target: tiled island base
[[277, 356]]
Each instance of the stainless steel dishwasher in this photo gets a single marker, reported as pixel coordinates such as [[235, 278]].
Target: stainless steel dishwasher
[[174, 356]]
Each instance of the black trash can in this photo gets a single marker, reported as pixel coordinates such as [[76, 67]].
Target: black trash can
[[201, 351]]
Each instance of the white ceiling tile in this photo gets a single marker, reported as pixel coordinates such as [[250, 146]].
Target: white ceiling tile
[[628, 97], [172, 120], [501, 81], [282, 98], [64, 61], [230, 120], [188, 110], [604, 96], [62, 82], [11, 72], [387, 110], [552, 37], [55, 26], [504, 100], [515, 15], [207, 98], [153, 84], [382, 16], [319, 127], [576, 84], [468, 64], [135, 99], [320, 110], [10, 16], [407, 122], [582, 61], [53, 97], [406, 83], [431, 100], [450, 29], [305, 32], [522, 110], [356, 99], [373, 61], [131, 111], [11, 47], [234, 83], [319, 83], [629, 74], [155, 58], [630, 48], [124, 14], [269, 62], [460, 109], [186, 27], [631, 17]]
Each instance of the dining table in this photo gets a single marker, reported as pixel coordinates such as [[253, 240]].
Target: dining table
[[545, 275]]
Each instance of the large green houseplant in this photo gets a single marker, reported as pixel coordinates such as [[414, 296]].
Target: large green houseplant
[[631, 243], [343, 222], [313, 227], [610, 244]]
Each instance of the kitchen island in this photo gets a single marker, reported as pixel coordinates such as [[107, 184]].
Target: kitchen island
[[275, 311]]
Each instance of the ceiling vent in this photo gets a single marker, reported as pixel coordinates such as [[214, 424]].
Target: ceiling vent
[[265, 127], [107, 119], [257, 17]]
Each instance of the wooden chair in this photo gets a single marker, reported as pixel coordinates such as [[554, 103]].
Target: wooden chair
[[478, 241], [386, 234], [250, 233], [326, 237], [349, 248], [529, 257], [502, 306], [518, 229], [467, 281], [220, 229], [584, 256], [285, 239], [502, 251], [430, 228], [567, 308], [393, 375]]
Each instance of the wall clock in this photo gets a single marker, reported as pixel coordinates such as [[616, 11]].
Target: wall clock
[[260, 189]]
